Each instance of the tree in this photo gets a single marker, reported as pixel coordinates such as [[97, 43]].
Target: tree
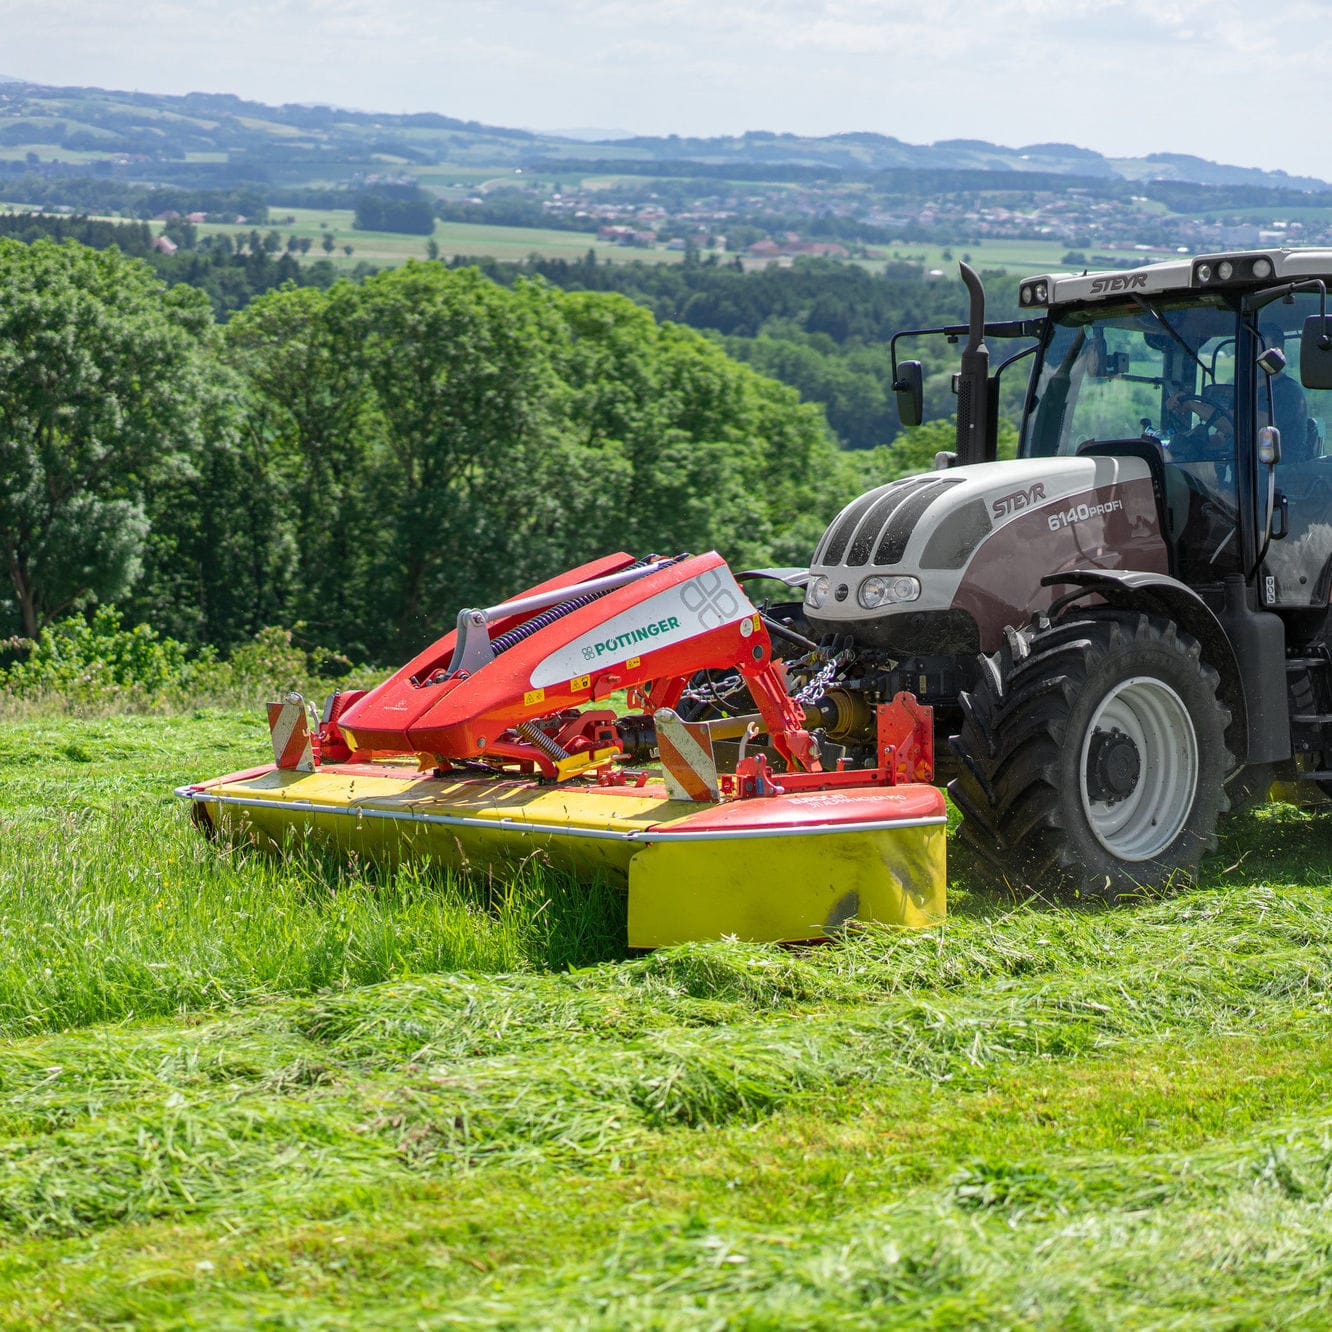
[[310, 421], [183, 233], [101, 372], [914, 450], [388, 212], [664, 443], [459, 369], [446, 441]]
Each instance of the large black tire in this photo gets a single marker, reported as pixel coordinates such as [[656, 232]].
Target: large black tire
[[1093, 756]]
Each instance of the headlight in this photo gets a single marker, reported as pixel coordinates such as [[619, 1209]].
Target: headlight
[[878, 590], [817, 591], [873, 591], [1234, 268]]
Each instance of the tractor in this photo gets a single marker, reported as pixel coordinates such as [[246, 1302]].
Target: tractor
[[1123, 632], [1104, 645]]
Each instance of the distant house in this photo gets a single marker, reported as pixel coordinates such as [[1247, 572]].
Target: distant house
[[165, 245], [622, 235]]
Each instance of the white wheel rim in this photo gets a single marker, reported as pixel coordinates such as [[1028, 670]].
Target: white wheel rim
[[1145, 821]]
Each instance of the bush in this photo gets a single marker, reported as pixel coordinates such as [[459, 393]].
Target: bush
[[101, 665], [100, 660]]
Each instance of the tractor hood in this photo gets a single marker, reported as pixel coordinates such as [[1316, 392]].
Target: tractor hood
[[943, 560]]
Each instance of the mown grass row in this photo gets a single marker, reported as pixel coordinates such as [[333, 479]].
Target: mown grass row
[[697, 1133], [238, 1092]]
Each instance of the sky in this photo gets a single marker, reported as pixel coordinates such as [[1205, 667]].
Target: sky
[[1229, 81]]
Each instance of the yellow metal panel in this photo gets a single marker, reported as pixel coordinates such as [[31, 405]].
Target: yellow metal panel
[[274, 823], [775, 889], [774, 886]]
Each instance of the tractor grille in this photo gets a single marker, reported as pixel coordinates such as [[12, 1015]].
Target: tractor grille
[[881, 523]]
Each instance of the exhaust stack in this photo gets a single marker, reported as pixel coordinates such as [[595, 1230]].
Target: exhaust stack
[[973, 380]]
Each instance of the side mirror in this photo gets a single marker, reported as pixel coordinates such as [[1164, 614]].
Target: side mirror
[[1105, 364], [1316, 353], [909, 388]]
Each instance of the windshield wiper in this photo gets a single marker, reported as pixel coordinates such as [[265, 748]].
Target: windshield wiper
[[1174, 333]]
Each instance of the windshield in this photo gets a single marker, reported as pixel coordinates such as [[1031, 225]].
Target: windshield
[[1163, 372], [1160, 376]]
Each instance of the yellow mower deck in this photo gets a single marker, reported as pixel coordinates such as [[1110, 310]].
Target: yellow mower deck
[[771, 868]]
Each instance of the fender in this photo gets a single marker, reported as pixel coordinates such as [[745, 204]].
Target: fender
[[1247, 647]]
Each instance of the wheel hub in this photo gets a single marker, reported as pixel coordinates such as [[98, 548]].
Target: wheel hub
[[1113, 766], [1139, 768]]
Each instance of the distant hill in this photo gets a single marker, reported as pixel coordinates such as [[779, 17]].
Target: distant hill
[[865, 151], [590, 135], [225, 140]]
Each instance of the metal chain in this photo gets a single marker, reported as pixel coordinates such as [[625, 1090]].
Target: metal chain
[[716, 690], [815, 688], [810, 692]]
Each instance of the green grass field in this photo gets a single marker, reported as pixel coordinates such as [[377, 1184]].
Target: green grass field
[[244, 1094], [384, 249]]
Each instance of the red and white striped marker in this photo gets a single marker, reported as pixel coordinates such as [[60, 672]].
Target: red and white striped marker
[[290, 726], [686, 757]]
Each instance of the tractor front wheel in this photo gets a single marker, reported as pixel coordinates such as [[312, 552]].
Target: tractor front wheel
[[1093, 755]]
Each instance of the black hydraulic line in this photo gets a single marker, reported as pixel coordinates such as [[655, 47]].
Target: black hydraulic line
[[781, 630]]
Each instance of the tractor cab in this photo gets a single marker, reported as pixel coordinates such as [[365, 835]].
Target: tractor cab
[[1155, 379], [1191, 371]]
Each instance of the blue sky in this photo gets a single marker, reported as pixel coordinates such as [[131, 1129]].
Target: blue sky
[[1228, 81]]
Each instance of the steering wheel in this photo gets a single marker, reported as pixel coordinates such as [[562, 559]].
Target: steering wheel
[[1213, 438]]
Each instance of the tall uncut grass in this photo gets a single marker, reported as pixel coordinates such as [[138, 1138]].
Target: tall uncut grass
[[112, 905]]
